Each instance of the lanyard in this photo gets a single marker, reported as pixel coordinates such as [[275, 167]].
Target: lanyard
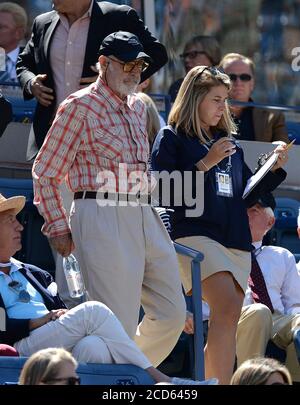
[[228, 164]]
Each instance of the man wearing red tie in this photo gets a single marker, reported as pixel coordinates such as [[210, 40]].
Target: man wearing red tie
[[272, 302]]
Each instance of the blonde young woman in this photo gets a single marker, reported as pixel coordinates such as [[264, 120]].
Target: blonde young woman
[[199, 138], [53, 366]]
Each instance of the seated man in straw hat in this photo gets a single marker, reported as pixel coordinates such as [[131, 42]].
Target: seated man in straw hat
[[36, 317]]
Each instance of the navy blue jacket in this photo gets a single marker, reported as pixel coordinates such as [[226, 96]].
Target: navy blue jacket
[[224, 219], [17, 329]]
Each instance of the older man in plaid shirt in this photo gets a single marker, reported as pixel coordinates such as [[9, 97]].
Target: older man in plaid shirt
[[125, 253]]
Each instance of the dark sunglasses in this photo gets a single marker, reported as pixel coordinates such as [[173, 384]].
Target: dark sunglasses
[[68, 380], [16, 286], [244, 77], [129, 66], [192, 54]]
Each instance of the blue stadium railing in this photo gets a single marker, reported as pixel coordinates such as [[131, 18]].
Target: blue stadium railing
[[196, 257]]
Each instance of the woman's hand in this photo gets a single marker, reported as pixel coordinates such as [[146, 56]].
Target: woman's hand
[[283, 157], [221, 149]]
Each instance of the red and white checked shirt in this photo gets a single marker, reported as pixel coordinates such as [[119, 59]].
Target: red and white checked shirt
[[93, 132]]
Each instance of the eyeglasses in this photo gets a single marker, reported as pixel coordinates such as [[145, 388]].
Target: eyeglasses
[[68, 380], [244, 77], [16, 286], [192, 54], [129, 66]]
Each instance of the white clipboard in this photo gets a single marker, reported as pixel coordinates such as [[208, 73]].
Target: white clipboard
[[257, 177]]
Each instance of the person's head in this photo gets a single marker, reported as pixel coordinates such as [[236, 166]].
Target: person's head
[[122, 60], [202, 50], [241, 71], [67, 7], [10, 228], [261, 371], [261, 216], [202, 102], [52, 366], [153, 123], [13, 25]]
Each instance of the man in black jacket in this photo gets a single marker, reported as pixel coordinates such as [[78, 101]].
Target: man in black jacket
[[63, 50]]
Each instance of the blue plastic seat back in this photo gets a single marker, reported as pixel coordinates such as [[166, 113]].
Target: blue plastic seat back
[[12, 187], [293, 129], [90, 374]]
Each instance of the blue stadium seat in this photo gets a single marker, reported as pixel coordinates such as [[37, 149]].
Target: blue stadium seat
[[284, 232], [13, 187], [90, 374], [293, 129], [23, 111]]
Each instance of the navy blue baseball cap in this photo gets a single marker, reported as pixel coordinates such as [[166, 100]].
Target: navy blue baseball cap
[[265, 200], [123, 45]]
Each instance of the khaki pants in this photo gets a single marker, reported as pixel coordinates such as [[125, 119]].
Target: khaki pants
[[127, 259], [91, 332], [257, 325]]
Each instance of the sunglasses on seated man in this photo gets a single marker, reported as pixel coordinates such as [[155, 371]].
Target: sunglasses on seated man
[[67, 380], [16, 287], [129, 66], [244, 77]]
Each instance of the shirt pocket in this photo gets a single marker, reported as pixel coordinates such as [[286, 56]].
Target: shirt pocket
[[107, 142]]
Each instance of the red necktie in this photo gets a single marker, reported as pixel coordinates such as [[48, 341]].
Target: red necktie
[[258, 285]]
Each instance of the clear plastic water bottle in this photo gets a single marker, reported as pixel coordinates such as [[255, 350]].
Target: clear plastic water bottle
[[73, 276], [298, 223]]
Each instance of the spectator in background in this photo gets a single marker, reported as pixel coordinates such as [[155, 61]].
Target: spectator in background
[[5, 113], [145, 87], [63, 50], [53, 366], [13, 26], [261, 371], [274, 315], [198, 139], [199, 50], [254, 124], [153, 118]]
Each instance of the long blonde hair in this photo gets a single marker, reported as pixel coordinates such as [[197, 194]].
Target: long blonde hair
[[257, 371], [44, 365], [198, 82]]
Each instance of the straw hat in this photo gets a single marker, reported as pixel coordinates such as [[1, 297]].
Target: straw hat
[[13, 203]]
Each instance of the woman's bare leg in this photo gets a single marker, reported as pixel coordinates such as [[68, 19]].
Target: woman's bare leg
[[225, 299]]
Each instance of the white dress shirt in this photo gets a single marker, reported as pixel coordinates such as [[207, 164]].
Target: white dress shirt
[[282, 279]]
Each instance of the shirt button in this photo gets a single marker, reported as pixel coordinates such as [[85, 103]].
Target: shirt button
[[68, 63], [70, 42], [68, 84]]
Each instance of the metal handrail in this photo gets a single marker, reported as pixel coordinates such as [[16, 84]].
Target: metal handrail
[[196, 257]]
